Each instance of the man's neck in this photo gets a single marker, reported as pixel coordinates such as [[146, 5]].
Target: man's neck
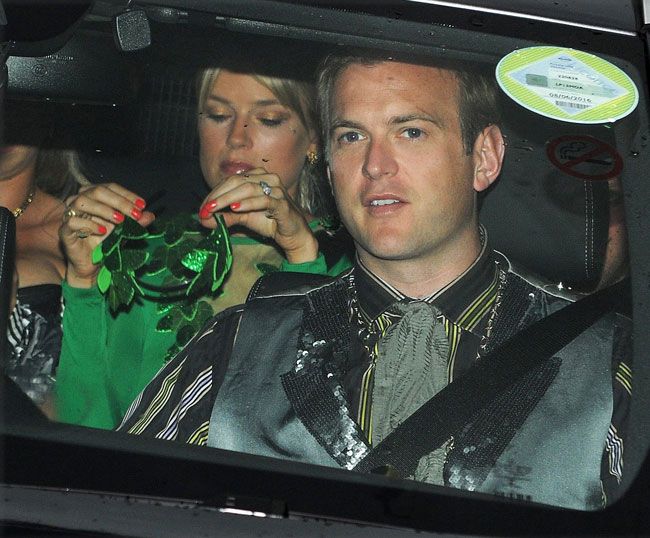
[[423, 277]]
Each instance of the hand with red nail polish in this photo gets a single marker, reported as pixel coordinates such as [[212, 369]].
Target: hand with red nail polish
[[207, 209], [258, 201], [105, 205]]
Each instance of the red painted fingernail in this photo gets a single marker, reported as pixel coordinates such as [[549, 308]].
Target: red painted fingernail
[[118, 217], [235, 206], [212, 204], [203, 213], [140, 203], [136, 213], [102, 229]]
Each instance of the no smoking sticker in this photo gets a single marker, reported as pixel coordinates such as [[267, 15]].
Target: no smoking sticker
[[584, 157]]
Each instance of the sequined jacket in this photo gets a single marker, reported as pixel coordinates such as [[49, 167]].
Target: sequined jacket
[[287, 401], [281, 395]]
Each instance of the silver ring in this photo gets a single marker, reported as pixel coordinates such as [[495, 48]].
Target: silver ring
[[266, 188], [83, 234]]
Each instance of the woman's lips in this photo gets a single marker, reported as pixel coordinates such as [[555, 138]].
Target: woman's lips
[[230, 168]]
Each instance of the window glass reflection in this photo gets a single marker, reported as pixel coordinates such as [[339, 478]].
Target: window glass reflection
[[406, 219]]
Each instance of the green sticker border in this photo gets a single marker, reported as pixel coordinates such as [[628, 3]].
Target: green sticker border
[[606, 113]]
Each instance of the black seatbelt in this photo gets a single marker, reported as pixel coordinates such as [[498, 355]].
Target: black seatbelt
[[453, 407], [7, 260]]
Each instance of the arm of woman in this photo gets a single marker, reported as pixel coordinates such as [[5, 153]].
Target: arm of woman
[[335, 254], [81, 388], [318, 266], [92, 383], [106, 359]]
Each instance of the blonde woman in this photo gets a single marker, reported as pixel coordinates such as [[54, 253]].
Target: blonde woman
[[258, 149]]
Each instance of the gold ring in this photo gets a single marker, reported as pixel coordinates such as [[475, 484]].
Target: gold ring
[[83, 234], [68, 214]]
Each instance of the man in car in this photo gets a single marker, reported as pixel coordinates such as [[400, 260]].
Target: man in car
[[324, 370]]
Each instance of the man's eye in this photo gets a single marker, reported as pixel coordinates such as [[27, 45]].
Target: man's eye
[[412, 132], [349, 137]]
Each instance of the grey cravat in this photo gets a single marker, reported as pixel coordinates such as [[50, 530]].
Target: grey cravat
[[411, 368]]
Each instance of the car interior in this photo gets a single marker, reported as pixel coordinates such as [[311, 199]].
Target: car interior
[[115, 80]]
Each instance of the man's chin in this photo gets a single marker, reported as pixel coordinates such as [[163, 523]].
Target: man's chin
[[393, 251]]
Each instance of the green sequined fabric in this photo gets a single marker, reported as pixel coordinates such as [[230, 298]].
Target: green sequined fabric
[[190, 261]]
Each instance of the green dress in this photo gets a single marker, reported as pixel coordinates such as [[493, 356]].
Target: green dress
[[107, 359]]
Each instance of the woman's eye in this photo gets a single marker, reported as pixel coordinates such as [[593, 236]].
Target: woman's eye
[[217, 118], [412, 132], [350, 137], [272, 122]]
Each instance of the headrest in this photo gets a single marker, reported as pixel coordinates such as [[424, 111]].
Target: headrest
[[543, 216]]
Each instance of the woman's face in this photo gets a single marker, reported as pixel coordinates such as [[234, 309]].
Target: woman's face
[[15, 159], [244, 126]]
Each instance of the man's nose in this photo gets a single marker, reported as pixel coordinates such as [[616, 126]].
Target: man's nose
[[239, 135], [379, 161]]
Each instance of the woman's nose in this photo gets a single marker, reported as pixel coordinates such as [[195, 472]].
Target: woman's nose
[[239, 135]]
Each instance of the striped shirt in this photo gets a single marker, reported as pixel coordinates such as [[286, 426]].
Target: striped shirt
[[465, 304]]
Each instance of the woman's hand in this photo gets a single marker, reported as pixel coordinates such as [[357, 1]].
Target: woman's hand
[[89, 217], [271, 214]]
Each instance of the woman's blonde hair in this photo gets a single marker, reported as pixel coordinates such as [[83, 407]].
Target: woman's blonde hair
[[300, 96], [58, 172]]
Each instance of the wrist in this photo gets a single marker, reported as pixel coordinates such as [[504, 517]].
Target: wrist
[[75, 280], [307, 252]]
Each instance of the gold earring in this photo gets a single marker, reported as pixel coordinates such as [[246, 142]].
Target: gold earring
[[312, 158]]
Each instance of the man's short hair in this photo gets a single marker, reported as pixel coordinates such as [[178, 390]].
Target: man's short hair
[[477, 100]]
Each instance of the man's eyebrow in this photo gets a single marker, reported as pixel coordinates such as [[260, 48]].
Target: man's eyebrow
[[344, 124], [396, 120]]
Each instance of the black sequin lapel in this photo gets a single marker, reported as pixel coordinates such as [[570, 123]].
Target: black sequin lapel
[[313, 386]]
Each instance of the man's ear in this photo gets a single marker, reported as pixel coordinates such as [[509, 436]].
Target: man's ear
[[489, 149]]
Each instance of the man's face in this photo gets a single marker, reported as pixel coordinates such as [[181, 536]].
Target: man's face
[[401, 177]]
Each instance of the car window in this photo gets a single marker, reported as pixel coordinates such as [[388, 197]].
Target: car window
[[131, 98]]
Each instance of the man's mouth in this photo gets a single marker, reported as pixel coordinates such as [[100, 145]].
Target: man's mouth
[[387, 201]]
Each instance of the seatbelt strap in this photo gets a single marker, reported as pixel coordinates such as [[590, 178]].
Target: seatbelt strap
[[7, 261], [454, 406]]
